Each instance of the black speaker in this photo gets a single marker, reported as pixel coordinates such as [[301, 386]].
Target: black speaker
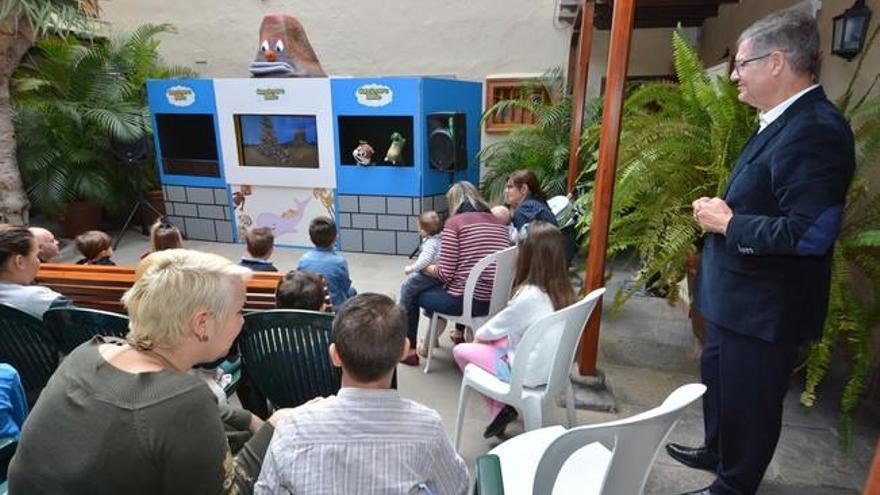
[[447, 141]]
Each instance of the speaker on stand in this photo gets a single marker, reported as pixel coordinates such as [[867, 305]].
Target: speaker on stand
[[447, 142], [131, 153]]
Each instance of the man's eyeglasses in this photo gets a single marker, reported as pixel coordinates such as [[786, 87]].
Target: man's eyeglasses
[[739, 64]]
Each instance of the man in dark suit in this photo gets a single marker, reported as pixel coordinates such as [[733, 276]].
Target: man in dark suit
[[766, 262]]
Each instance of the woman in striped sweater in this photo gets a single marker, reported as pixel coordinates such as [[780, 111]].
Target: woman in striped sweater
[[471, 233]]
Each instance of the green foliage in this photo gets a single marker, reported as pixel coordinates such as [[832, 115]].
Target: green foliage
[[543, 147], [679, 141], [852, 316], [45, 15], [70, 101]]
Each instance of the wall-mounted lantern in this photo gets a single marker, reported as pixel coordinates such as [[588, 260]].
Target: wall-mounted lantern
[[850, 30]]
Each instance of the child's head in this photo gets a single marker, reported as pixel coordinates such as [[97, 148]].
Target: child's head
[[164, 236], [430, 223], [502, 213], [300, 290], [541, 261], [322, 232], [94, 245], [260, 242], [369, 337]]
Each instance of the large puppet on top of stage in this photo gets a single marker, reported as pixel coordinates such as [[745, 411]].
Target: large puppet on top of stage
[[285, 50]]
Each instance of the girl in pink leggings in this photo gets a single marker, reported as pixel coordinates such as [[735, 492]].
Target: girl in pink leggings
[[542, 287]]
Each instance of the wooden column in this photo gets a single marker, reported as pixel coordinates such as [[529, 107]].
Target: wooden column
[[618, 59], [582, 70]]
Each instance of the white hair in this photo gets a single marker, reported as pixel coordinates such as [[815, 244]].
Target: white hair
[[173, 285]]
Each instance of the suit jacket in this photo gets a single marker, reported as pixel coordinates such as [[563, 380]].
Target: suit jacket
[[769, 276]]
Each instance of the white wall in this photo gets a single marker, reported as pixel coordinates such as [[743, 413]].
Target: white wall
[[465, 38]]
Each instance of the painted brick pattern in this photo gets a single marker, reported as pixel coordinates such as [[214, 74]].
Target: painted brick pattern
[[383, 224], [199, 212]]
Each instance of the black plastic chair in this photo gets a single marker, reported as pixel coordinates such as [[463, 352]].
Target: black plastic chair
[[285, 355], [25, 345], [70, 327]]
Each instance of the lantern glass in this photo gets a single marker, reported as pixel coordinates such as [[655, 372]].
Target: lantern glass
[[852, 37]]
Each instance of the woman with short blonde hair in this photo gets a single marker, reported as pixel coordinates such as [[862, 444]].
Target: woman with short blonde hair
[[127, 417]]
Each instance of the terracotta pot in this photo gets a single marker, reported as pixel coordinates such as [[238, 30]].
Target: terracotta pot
[[698, 323], [80, 216], [157, 201]]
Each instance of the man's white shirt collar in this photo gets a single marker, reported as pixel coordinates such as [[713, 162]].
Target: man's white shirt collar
[[767, 118]]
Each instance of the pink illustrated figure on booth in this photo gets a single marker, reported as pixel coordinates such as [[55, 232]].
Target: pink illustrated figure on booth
[[287, 222]]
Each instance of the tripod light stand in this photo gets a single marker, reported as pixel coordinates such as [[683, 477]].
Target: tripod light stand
[[131, 153]]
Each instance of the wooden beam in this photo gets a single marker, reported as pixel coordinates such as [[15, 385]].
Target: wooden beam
[[585, 47], [603, 188], [651, 16]]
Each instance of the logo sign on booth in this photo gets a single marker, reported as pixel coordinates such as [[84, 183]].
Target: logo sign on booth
[[270, 94], [374, 95], [180, 96]]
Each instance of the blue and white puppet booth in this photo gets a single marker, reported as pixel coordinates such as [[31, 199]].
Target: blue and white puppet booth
[[278, 150], [246, 153], [276, 136], [400, 143]]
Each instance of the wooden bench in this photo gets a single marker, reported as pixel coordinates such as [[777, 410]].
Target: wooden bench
[[101, 287]]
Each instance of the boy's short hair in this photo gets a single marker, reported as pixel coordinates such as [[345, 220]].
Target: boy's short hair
[[92, 242], [369, 332], [300, 290], [260, 242], [430, 222], [322, 231]]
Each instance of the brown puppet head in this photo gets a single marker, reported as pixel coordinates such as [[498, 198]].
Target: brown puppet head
[[285, 50]]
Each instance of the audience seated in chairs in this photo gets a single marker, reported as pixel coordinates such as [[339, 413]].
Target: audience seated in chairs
[[527, 201], [129, 418], [260, 242], [96, 248], [324, 261], [366, 439], [470, 234], [164, 236], [19, 263], [542, 287], [47, 244], [303, 290]]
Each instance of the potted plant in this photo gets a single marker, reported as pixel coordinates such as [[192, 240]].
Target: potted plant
[[679, 141], [72, 100], [543, 147], [853, 314]]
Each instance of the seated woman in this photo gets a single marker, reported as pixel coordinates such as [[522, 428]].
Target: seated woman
[[18, 268], [542, 287], [470, 234], [527, 201], [127, 417]]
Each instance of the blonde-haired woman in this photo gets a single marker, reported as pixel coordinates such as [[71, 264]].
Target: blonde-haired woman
[[127, 417], [470, 234]]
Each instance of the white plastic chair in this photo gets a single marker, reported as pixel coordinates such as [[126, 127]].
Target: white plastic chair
[[502, 284], [541, 369], [605, 459]]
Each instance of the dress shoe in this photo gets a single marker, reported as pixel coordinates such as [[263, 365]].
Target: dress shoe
[[703, 491], [504, 418], [411, 360], [695, 457]]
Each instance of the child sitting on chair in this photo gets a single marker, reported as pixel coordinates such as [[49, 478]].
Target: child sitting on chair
[[541, 286], [260, 245], [164, 236], [366, 439], [323, 260], [96, 248], [303, 290]]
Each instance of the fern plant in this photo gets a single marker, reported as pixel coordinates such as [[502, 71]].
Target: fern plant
[[543, 147], [679, 141], [851, 316], [71, 101]]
